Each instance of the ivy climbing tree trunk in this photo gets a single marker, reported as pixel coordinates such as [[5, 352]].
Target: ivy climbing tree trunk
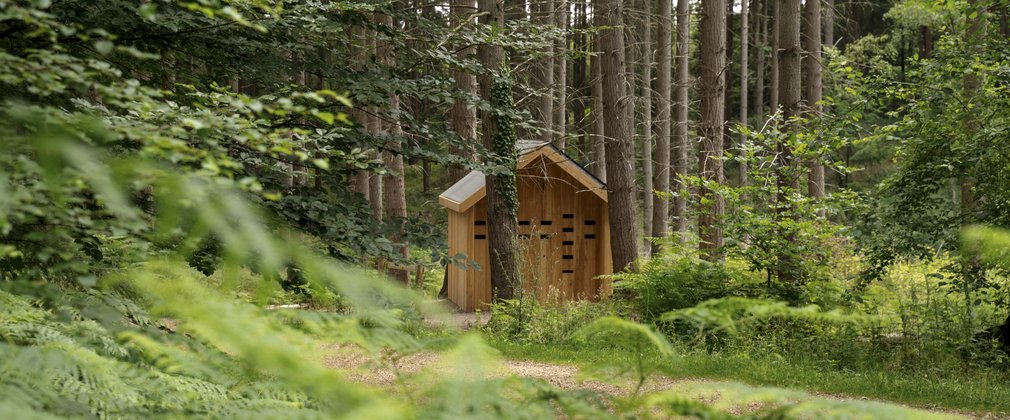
[[620, 147], [661, 99], [498, 133], [682, 146], [711, 87]]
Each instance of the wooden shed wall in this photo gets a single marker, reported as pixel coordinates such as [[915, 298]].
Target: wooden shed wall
[[563, 240]]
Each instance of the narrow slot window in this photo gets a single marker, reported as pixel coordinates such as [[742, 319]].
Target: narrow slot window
[[546, 222], [567, 216], [545, 236], [480, 223], [480, 236], [590, 222], [524, 223], [524, 236], [567, 271], [568, 229], [590, 236], [568, 257], [568, 243]]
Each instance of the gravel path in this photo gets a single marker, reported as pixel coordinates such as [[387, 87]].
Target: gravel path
[[732, 397]]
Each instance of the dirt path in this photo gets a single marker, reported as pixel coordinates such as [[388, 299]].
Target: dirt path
[[736, 398]]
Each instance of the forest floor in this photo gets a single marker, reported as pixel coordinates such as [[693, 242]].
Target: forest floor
[[732, 397]]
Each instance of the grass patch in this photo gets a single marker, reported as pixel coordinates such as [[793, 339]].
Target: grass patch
[[976, 394]]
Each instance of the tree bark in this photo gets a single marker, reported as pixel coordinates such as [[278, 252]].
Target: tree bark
[[543, 80], [744, 74], [561, 76], [760, 52], [829, 23], [661, 99], [812, 72], [598, 166], [394, 201], [645, 99], [790, 100], [711, 87], [773, 90], [620, 147], [464, 117], [682, 147], [501, 215]]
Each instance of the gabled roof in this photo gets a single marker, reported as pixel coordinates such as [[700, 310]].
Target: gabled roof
[[471, 188]]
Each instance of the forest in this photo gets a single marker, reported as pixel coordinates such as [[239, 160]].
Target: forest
[[719, 209]]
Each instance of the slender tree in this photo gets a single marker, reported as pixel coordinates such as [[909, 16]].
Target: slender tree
[[682, 147], [645, 99], [543, 79], [598, 137], [744, 75], [789, 49], [711, 87], [464, 117], [661, 99], [561, 21], [394, 201], [812, 73], [773, 76], [501, 189], [620, 147]]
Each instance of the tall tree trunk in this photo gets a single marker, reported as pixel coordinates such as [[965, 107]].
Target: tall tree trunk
[[711, 87], [394, 199], [580, 82], [812, 72], [744, 74], [464, 118], [645, 99], [829, 22], [773, 90], [501, 207], [661, 99], [561, 75], [788, 21], [543, 80], [760, 52], [682, 147], [598, 137], [620, 147]]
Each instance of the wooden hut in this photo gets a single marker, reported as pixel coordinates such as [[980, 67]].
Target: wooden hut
[[564, 230]]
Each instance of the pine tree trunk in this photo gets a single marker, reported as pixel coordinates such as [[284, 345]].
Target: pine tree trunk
[[773, 90], [744, 74], [711, 87], [620, 147], [812, 72], [598, 166], [829, 22], [501, 214], [543, 80], [580, 83], [682, 147], [561, 76], [790, 101], [760, 52], [394, 201], [464, 118], [645, 99], [661, 99]]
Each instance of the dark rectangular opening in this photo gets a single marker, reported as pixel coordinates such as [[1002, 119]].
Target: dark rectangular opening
[[480, 236], [568, 243], [545, 236], [524, 236], [567, 271], [590, 236], [568, 257], [524, 223], [567, 216], [568, 229], [590, 222], [546, 223], [480, 222]]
